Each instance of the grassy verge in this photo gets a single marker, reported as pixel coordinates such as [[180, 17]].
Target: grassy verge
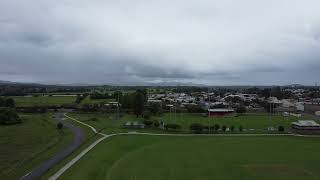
[[90, 137], [26, 145]]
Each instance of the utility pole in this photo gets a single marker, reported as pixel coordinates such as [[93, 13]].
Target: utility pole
[[118, 115]]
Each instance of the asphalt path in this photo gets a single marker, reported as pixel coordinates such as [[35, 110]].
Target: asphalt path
[[76, 142]]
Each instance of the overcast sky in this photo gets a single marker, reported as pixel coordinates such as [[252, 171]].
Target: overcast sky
[[216, 42]]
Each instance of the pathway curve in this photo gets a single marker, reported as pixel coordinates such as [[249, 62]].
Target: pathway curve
[[45, 166]]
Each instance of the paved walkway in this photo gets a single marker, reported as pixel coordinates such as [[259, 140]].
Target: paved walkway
[[45, 166], [84, 152]]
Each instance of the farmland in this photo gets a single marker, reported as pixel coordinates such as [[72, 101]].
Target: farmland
[[153, 157], [26, 101]]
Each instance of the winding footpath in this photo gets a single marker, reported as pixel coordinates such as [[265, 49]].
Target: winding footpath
[[45, 166]]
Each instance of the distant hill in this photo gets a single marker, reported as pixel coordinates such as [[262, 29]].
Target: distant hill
[[174, 84]]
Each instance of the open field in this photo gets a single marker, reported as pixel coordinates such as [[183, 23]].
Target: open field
[[23, 101], [182, 158], [105, 122], [88, 100], [26, 145], [258, 123]]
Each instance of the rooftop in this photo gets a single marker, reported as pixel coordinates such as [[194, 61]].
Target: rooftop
[[308, 123], [220, 110]]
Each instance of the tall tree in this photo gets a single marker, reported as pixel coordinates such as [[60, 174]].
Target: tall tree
[[139, 102]]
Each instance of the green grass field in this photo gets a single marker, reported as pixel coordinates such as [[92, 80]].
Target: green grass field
[[257, 121], [105, 122], [88, 100], [26, 145], [43, 100], [252, 123], [203, 158]]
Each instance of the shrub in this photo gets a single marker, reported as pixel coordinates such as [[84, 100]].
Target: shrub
[[147, 116], [280, 128], [196, 127], [9, 116], [59, 125], [216, 127], [172, 126], [231, 128], [148, 123], [224, 128], [240, 128], [156, 123]]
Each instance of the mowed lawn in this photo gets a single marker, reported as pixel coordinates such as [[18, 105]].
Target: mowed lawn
[[23, 101], [257, 122], [105, 122], [131, 157], [252, 123], [88, 100], [26, 145]]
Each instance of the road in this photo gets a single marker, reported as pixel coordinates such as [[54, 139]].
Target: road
[[76, 142]]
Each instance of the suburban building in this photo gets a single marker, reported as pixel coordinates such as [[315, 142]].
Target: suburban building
[[220, 112], [305, 127], [133, 125]]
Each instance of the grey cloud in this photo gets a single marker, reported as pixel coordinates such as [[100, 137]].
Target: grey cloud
[[127, 42]]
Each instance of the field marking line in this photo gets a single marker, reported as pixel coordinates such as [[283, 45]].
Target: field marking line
[[91, 127], [77, 158], [82, 153], [122, 158]]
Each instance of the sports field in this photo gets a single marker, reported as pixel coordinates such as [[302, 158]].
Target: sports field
[[131, 157], [255, 122], [252, 123]]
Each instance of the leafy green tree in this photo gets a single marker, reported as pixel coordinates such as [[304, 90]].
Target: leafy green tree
[[139, 102], [59, 125], [232, 128], [241, 109], [172, 126], [156, 124], [147, 116], [224, 128], [196, 127], [216, 127], [281, 129], [7, 102], [9, 116], [148, 123], [155, 108], [240, 128]]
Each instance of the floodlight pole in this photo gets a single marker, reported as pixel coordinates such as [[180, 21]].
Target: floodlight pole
[[208, 111], [270, 106], [118, 116]]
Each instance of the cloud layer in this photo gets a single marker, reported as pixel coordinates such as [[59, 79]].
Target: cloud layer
[[131, 42]]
